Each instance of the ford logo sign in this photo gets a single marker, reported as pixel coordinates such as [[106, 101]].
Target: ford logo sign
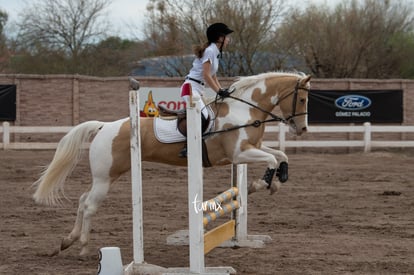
[[353, 102]]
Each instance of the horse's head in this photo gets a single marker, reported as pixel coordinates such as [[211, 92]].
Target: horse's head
[[263, 92], [293, 102]]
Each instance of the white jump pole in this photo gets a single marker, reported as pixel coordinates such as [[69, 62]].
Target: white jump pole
[[137, 266], [239, 180], [195, 189], [136, 178], [195, 194], [242, 238]]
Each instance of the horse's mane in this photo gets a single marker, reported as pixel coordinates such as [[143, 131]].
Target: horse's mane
[[242, 83]]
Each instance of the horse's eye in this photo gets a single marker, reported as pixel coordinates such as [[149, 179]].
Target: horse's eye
[[302, 100]]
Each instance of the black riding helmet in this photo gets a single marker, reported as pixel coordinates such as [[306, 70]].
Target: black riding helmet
[[216, 30]]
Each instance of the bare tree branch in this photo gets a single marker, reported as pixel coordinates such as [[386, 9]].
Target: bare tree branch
[[355, 39], [68, 25], [174, 26]]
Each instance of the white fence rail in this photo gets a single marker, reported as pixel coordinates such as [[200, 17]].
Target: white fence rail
[[6, 130], [366, 142]]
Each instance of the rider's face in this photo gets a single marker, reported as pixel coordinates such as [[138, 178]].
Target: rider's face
[[226, 40]]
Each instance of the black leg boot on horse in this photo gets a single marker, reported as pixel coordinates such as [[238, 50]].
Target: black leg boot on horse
[[281, 173]]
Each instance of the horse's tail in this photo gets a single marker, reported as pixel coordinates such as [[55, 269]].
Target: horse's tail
[[68, 152]]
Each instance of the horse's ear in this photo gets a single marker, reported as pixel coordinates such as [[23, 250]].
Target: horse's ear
[[305, 80]]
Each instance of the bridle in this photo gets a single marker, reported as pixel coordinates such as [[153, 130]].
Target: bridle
[[273, 118], [294, 102]]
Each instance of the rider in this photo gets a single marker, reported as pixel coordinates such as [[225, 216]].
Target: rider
[[205, 67]]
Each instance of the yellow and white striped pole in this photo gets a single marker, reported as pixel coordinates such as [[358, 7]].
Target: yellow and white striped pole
[[224, 209]]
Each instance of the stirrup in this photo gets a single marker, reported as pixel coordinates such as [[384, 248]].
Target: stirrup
[[183, 152]]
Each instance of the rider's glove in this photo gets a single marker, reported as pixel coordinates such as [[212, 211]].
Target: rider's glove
[[223, 92]]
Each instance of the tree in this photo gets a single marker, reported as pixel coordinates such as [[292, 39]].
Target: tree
[[360, 39], [65, 26], [110, 57], [174, 26], [3, 20], [4, 53]]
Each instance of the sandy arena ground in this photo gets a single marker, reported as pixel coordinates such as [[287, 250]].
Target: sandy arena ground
[[337, 214]]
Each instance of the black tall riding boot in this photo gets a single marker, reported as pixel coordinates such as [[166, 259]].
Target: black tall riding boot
[[183, 152]]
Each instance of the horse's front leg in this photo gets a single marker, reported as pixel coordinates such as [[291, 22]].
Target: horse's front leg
[[257, 155]]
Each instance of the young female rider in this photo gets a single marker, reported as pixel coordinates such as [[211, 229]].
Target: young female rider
[[205, 67]]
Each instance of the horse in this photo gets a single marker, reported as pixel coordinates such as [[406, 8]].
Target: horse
[[236, 137]]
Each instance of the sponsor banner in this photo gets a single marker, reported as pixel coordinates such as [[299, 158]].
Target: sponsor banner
[[170, 98], [8, 102], [356, 106]]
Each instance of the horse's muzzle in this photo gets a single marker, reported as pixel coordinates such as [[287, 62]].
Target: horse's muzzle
[[302, 130]]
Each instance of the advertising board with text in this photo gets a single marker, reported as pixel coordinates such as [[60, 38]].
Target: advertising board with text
[[170, 98], [356, 106]]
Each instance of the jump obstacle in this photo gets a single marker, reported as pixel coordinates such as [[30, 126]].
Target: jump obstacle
[[233, 231]]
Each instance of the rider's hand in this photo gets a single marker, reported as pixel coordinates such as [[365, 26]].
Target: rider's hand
[[223, 92]]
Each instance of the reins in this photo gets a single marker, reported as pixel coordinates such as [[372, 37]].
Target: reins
[[257, 123]]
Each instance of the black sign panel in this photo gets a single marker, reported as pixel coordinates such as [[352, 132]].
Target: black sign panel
[[8, 102], [356, 106]]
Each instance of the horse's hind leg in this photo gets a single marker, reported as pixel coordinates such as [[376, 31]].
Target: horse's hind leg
[[76, 231], [93, 200]]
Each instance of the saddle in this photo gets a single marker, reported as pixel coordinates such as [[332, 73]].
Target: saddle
[[181, 116], [164, 111]]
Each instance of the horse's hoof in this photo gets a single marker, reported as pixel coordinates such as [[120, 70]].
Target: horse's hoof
[[65, 243], [251, 189], [84, 258], [274, 187], [84, 253], [54, 253]]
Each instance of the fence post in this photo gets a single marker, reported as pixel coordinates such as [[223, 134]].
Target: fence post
[[367, 137], [6, 135], [282, 136]]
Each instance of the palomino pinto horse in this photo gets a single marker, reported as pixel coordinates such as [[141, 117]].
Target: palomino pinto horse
[[236, 138]]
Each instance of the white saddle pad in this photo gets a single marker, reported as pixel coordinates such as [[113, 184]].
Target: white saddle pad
[[166, 131]]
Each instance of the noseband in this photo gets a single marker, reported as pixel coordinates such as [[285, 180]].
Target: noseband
[[257, 123]]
